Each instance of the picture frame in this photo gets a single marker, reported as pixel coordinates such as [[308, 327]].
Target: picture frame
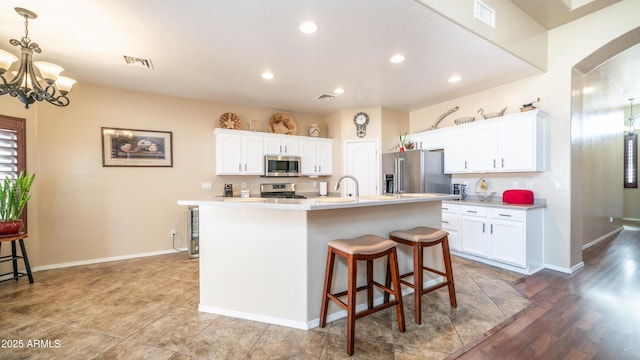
[[132, 147]]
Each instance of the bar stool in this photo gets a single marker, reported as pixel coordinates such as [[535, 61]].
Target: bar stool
[[419, 238], [14, 256], [366, 247]]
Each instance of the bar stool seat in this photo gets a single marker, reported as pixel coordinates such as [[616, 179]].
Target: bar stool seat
[[367, 248], [419, 238], [14, 256]]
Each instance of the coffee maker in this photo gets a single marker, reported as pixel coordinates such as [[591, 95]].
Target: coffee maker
[[459, 189]]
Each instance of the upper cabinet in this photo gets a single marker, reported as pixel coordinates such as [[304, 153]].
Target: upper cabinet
[[281, 146], [316, 156], [242, 152], [239, 154], [512, 143]]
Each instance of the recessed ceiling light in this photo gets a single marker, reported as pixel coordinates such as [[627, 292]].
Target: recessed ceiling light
[[454, 78], [338, 91], [397, 58], [308, 27], [267, 75]]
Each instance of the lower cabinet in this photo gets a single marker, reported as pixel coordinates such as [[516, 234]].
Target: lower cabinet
[[451, 223], [498, 235]]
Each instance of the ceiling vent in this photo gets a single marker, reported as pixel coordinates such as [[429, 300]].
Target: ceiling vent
[[132, 60], [326, 97]]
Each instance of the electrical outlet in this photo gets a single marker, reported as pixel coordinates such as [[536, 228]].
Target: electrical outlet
[[244, 185], [173, 233]]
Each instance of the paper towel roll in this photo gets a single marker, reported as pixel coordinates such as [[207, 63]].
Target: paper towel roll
[[323, 188]]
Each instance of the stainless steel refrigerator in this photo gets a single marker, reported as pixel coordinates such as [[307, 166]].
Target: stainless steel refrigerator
[[415, 171]]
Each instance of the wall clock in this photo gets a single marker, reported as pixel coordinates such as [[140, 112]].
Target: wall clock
[[360, 120]]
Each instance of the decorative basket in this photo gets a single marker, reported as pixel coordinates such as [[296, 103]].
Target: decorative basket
[[464, 120], [494, 114]]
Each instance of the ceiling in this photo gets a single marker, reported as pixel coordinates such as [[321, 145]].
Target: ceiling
[[216, 50]]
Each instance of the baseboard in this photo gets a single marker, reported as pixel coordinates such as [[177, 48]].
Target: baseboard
[[570, 270], [602, 238], [101, 260], [630, 219]]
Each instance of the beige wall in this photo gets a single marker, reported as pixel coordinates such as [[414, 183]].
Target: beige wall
[[568, 45], [82, 211]]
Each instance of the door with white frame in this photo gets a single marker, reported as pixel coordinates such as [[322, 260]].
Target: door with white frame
[[362, 160]]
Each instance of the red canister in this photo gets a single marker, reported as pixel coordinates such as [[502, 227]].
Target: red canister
[[517, 196]]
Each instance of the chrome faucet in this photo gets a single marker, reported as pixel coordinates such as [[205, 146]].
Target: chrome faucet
[[355, 181]]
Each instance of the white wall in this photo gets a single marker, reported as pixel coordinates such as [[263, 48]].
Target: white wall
[[568, 45]]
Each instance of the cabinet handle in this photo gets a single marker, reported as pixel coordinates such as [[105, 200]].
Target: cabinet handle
[[239, 167], [492, 228], [285, 149], [465, 164], [445, 222], [245, 167], [484, 227], [472, 211], [503, 163], [319, 168], [444, 208], [494, 163], [505, 215]]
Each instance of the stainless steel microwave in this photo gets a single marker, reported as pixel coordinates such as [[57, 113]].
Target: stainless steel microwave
[[281, 165]]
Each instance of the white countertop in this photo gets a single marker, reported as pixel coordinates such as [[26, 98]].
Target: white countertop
[[497, 203], [318, 203]]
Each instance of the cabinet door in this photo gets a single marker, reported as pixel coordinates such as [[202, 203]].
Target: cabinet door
[[273, 146], [455, 152], [228, 154], [517, 142], [483, 148], [253, 155], [307, 152], [290, 147], [473, 235], [507, 242], [325, 157]]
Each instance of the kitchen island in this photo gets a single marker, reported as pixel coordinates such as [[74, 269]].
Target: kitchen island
[[264, 259]]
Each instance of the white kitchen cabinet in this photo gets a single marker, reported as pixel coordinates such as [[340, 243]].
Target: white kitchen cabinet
[[502, 236], [473, 230], [316, 157], [239, 153], [506, 236], [451, 223], [455, 151], [281, 146], [512, 143], [428, 140]]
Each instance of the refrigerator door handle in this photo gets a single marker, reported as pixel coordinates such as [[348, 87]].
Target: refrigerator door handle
[[399, 184]]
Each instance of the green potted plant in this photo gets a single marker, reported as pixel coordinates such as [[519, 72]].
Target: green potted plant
[[14, 194]]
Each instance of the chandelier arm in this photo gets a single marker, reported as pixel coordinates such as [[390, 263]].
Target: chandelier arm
[[60, 100]]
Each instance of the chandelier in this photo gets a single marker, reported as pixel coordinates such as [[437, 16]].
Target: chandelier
[[26, 83]]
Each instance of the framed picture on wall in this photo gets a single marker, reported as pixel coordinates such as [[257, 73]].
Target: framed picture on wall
[[129, 147]]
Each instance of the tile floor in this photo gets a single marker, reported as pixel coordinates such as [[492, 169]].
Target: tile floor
[[146, 308]]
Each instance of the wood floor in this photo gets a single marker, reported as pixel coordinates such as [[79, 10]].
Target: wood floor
[[591, 314]]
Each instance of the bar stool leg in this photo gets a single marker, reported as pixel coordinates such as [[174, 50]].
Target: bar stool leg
[[328, 278], [351, 305], [397, 290], [26, 260], [369, 284], [418, 280], [446, 256]]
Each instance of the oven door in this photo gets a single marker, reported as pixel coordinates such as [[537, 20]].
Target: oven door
[[281, 166]]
